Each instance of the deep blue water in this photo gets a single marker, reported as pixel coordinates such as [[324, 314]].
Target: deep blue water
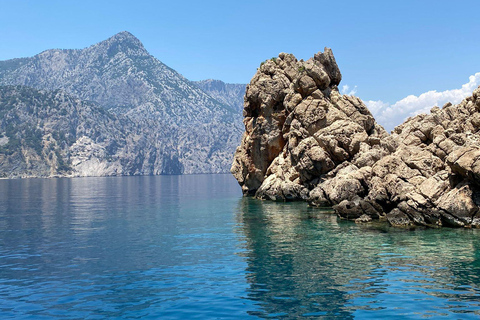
[[185, 247]]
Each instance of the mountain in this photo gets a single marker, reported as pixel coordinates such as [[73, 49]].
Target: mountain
[[48, 133], [51, 133], [181, 123], [228, 93]]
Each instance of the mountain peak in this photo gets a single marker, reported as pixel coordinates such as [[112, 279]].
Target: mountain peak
[[122, 41], [124, 36]]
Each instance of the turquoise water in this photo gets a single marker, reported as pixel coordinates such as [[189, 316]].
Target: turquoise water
[[190, 247]]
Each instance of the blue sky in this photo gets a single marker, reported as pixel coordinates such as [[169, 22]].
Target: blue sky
[[387, 49]]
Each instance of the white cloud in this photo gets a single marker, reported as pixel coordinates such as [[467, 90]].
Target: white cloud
[[346, 90], [375, 107], [390, 116]]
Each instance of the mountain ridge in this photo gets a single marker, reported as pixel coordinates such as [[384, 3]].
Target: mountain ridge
[[172, 113]]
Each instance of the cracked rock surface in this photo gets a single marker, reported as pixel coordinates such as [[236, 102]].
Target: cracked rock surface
[[305, 141]]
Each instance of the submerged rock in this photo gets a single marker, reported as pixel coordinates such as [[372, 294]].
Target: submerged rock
[[305, 141]]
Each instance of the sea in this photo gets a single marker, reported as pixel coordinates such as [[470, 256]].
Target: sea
[[191, 247]]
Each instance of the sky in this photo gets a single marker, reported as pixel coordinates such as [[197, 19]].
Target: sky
[[387, 51]]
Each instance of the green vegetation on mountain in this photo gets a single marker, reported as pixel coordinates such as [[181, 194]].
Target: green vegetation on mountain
[[142, 116]]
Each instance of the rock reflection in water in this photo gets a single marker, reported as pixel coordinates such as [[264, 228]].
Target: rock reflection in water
[[303, 262]]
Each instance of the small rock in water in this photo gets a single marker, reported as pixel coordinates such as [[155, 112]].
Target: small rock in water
[[363, 219]]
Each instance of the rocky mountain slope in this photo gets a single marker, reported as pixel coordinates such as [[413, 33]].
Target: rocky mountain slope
[[228, 93], [305, 141], [48, 134], [51, 133], [184, 126]]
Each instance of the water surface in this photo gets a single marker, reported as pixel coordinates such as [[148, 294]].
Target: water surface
[[191, 247]]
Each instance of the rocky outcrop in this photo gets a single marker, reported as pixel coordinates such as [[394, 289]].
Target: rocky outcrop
[[305, 141], [435, 179]]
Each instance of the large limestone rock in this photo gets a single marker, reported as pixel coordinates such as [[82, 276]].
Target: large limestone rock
[[305, 141]]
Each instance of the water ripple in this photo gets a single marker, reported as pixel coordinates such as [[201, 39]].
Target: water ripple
[[184, 247]]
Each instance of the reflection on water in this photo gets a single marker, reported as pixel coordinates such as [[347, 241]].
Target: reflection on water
[[159, 247], [305, 263], [191, 247]]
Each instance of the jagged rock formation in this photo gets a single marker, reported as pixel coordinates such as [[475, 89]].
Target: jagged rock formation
[[432, 178], [305, 141], [230, 94], [181, 124]]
